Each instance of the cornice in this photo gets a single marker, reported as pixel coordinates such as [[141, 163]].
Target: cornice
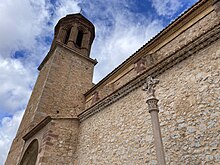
[[194, 46], [94, 61], [182, 20], [59, 44]]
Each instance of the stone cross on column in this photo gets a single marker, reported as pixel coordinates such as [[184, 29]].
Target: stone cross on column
[[149, 87]]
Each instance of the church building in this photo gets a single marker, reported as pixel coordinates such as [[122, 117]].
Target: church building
[[71, 121]]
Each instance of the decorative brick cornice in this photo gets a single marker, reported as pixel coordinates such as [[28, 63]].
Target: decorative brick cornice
[[159, 67]]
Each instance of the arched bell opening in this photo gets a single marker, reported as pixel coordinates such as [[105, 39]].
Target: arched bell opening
[[79, 38], [67, 36], [31, 153]]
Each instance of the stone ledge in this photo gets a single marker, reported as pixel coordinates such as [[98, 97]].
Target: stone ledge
[[41, 125], [37, 128]]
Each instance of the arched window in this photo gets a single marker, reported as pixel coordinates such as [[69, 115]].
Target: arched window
[[79, 38], [67, 36], [30, 155]]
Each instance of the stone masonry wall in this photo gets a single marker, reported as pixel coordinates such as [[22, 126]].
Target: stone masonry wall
[[58, 143], [70, 76], [35, 98], [189, 95]]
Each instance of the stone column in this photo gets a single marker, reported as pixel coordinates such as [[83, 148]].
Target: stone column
[[86, 38], [61, 35], [72, 37], [153, 110], [85, 43]]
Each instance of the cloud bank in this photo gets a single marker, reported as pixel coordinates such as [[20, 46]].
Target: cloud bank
[[8, 128]]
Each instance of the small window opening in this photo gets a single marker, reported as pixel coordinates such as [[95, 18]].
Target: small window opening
[[79, 38], [67, 36]]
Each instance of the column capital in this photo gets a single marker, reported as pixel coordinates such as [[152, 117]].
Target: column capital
[[152, 104]]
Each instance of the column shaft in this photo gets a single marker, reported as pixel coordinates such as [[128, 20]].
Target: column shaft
[[61, 35], [72, 37], [157, 138]]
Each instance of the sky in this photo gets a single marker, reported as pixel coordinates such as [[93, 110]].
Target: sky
[[26, 32]]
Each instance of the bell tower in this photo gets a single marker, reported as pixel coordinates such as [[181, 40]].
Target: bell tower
[[49, 129], [76, 33]]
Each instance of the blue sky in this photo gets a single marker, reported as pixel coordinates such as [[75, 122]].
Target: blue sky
[[26, 32]]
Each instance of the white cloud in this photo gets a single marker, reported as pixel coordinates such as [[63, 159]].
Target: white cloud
[[21, 23], [166, 7], [8, 129], [122, 43], [119, 33], [64, 7], [170, 8], [15, 85]]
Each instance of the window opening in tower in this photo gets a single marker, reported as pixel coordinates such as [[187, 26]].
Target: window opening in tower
[[67, 36], [79, 38]]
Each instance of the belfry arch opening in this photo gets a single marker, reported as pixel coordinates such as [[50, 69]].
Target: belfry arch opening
[[79, 38], [67, 36], [30, 155]]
